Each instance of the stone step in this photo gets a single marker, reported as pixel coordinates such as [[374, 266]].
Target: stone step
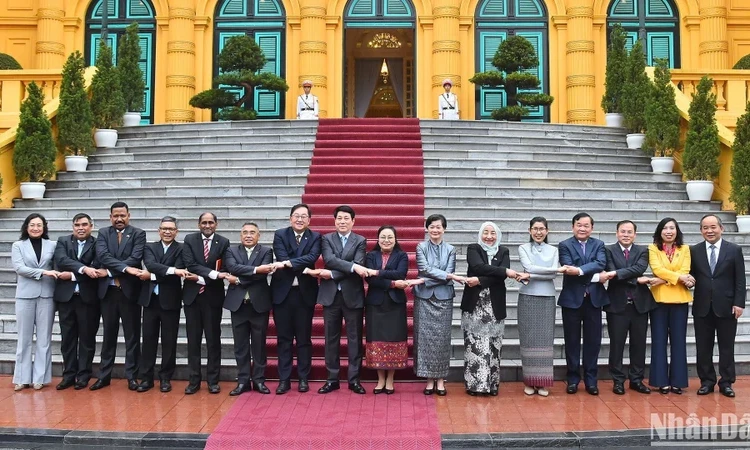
[[74, 203], [436, 198], [572, 190], [217, 132], [178, 147], [442, 133], [525, 138], [531, 151], [488, 167], [433, 126], [560, 211], [545, 181], [261, 179], [239, 171], [169, 192], [217, 159], [261, 125], [208, 141]]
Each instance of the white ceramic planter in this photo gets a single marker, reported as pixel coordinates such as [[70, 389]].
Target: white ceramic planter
[[743, 224], [131, 119], [75, 163], [104, 137], [662, 164], [635, 140], [700, 190], [613, 120], [31, 189]]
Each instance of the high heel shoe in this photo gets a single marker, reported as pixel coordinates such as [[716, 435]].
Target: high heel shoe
[[389, 391], [428, 391], [377, 391], [441, 392]]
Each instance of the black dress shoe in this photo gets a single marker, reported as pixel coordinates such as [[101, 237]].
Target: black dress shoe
[[356, 388], [242, 387], [145, 386], [133, 384], [261, 387], [389, 391], [81, 385], [303, 386], [64, 384], [214, 389], [664, 390], [377, 391], [100, 383], [592, 390], [330, 386], [283, 388], [705, 390], [192, 389], [428, 391], [727, 391], [571, 389], [676, 390], [618, 389], [640, 387], [441, 392], [165, 386]]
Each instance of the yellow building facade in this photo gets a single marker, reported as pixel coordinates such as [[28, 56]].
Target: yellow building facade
[[370, 56]]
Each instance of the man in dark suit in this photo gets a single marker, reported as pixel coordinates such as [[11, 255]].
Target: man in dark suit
[[582, 298], [630, 300], [249, 299], [203, 299], [295, 292], [718, 301], [77, 300], [119, 249], [342, 295], [161, 298]]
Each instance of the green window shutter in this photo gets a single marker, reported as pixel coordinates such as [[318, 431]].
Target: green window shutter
[[494, 8], [536, 39], [660, 45], [233, 8], [624, 8], [138, 8], [270, 47], [658, 8], [529, 8], [490, 98], [362, 8], [267, 8], [268, 104], [111, 9], [630, 39], [397, 8]]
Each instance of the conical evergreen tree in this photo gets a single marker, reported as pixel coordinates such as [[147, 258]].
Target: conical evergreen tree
[[617, 57], [107, 103], [702, 148], [74, 119], [740, 194], [34, 154], [662, 115], [131, 75]]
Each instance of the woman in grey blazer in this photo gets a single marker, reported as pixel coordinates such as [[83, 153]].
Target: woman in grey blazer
[[32, 259]]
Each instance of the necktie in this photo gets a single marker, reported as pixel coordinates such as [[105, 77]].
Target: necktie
[[712, 258], [80, 250], [627, 254], [119, 237], [298, 238], [305, 96], [343, 241], [205, 256], [247, 293], [583, 249]]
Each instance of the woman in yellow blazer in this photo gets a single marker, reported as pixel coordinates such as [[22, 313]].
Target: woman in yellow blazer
[[670, 262]]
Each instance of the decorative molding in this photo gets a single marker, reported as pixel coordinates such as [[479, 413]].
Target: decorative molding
[[313, 47], [179, 115], [580, 12], [580, 81], [319, 81], [713, 12], [713, 46], [446, 46], [182, 13], [451, 12], [50, 47], [579, 46], [437, 80], [187, 81], [581, 115], [181, 47], [312, 12], [50, 13]]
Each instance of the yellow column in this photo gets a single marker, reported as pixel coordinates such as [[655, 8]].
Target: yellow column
[[714, 47], [446, 52], [50, 50], [180, 62], [579, 49], [313, 53]]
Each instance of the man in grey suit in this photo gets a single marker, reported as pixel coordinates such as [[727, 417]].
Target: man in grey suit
[[342, 294]]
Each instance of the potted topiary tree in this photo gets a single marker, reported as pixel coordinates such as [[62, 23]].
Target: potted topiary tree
[[34, 153], [107, 104], [635, 93], [131, 76], [662, 120], [8, 62], [514, 56], [740, 193], [74, 119], [700, 162], [617, 58], [743, 63], [240, 62]]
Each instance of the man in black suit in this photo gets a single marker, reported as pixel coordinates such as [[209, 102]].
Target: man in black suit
[[203, 299], [77, 300], [249, 299], [342, 295], [161, 298], [630, 300], [119, 249], [294, 295], [718, 301]]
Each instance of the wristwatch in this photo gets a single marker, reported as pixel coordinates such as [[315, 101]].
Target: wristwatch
[[238, 281]]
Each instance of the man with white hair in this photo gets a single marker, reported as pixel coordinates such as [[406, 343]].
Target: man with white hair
[[307, 104], [448, 102]]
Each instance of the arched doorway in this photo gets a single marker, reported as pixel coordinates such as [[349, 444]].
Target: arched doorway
[[656, 22], [264, 21], [495, 21], [379, 66], [120, 14]]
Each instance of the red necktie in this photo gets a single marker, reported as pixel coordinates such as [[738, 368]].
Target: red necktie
[[627, 254], [205, 256]]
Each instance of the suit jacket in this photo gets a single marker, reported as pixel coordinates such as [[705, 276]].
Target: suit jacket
[[238, 264], [670, 271], [340, 262], [722, 289], [435, 269], [303, 256], [491, 275], [380, 286], [67, 260], [31, 283], [192, 256], [574, 286], [625, 284], [158, 263], [116, 258]]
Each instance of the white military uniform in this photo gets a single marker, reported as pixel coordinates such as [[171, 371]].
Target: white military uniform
[[448, 106], [307, 107]]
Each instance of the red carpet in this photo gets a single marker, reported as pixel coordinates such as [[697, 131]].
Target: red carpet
[[339, 420]]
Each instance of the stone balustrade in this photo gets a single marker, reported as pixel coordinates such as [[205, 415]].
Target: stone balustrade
[[732, 89]]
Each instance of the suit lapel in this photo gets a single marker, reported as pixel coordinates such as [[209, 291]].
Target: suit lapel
[[86, 247], [126, 233], [703, 257], [253, 255], [243, 254], [723, 252], [578, 249], [164, 257]]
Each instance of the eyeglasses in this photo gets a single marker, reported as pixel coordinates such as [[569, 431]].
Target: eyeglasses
[[300, 216], [538, 230], [167, 229]]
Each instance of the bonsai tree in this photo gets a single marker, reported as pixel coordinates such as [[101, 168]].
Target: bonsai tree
[[662, 115], [131, 75], [617, 58], [74, 118], [701, 158], [514, 56], [107, 104], [740, 193], [34, 154], [8, 62], [743, 63], [240, 63], [635, 91]]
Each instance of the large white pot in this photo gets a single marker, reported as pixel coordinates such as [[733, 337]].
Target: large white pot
[[31, 189], [613, 120], [131, 119], [700, 190], [104, 137], [74, 163], [743, 224], [662, 164], [635, 140]]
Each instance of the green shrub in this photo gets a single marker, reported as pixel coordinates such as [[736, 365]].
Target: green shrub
[[702, 147], [107, 104], [617, 57], [743, 63], [131, 76], [34, 154], [75, 121], [635, 91], [662, 115], [8, 62], [740, 192]]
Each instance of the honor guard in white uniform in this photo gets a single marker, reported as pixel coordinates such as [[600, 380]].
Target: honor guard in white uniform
[[448, 103], [307, 104]]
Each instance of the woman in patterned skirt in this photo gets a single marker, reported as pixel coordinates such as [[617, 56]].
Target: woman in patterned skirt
[[483, 306], [433, 306], [385, 309], [536, 309]]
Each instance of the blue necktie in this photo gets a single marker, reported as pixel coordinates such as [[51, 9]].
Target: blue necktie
[[343, 242], [712, 258], [583, 249]]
